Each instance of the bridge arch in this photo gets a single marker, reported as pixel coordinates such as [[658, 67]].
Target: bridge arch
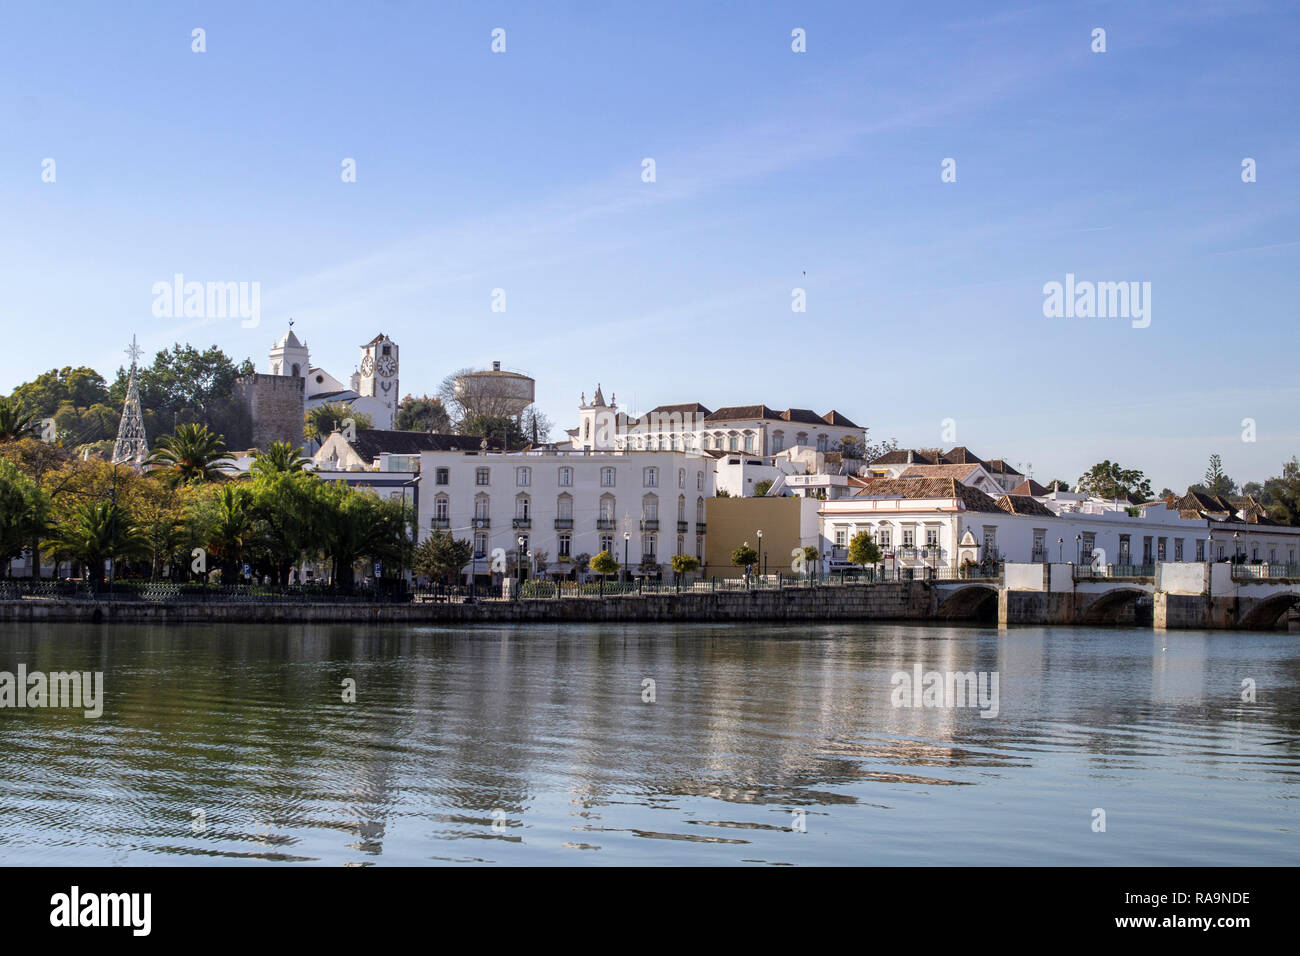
[[1109, 606], [1265, 614], [972, 602]]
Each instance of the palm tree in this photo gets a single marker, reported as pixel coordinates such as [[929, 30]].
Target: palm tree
[[93, 534], [279, 457], [232, 535], [16, 422], [192, 455]]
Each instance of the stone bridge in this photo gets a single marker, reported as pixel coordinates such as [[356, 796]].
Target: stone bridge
[[1165, 595]]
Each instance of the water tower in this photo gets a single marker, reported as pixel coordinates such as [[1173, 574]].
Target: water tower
[[494, 392]]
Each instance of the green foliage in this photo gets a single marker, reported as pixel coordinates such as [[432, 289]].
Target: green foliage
[[863, 549], [423, 414], [95, 532], [72, 388], [496, 428], [440, 557], [1056, 484], [744, 556], [320, 421], [280, 456], [193, 455], [24, 512], [1107, 479], [1215, 481], [604, 564], [188, 386], [721, 493], [16, 421], [1283, 493], [762, 488]]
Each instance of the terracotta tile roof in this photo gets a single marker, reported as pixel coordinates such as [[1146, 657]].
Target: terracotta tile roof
[[899, 457], [835, 418], [998, 466], [961, 455], [804, 416], [370, 443], [1024, 505], [973, 498], [1030, 487], [734, 412], [796, 416], [940, 471], [686, 408]]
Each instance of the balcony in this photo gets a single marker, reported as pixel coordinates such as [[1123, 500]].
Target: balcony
[[482, 523], [683, 527], [606, 524], [699, 527], [563, 524], [649, 524], [441, 524], [521, 522]]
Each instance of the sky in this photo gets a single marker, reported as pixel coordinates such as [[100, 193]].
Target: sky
[[774, 170]]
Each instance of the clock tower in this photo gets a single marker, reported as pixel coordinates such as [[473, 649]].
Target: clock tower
[[378, 378]]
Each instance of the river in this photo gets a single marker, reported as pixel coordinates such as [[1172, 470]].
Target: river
[[652, 744]]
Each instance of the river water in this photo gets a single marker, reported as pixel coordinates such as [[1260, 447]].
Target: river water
[[761, 745]]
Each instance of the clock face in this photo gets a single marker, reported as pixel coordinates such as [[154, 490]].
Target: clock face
[[367, 366], [386, 366]]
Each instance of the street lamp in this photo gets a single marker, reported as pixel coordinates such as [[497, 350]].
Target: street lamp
[[1236, 538], [519, 561], [760, 554], [1060, 550], [1078, 549], [627, 537], [1210, 557]]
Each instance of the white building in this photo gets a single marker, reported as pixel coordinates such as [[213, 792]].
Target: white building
[[941, 522], [755, 429], [372, 388], [563, 503]]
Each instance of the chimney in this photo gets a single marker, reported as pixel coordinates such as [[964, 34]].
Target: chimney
[[909, 456], [496, 366]]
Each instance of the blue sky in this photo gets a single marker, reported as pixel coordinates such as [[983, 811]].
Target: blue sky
[[522, 171]]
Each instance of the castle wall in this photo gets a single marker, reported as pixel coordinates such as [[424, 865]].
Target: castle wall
[[275, 404]]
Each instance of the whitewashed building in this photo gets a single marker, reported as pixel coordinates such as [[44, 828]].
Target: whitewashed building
[[562, 503]]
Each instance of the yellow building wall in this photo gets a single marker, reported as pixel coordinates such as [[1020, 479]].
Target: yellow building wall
[[734, 521]]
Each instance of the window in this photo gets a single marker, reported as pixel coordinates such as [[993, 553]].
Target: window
[[699, 481], [564, 507], [607, 543], [733, 443], [481, 476], [1125, 549], [523, 477], [650, 508], [840, 537], [651, 477], [699, 510], [932, 537], [1178, 549], [990, 540], [650, 548], [885, 538], [441, 505], [749, 442], [681, 544], [607, 477], [1200, 549], [1254, 553], [566, 477], [821, 442], [566, 542], [909, 538], [481, 506], [1146, 549], [778, 441], [442, 476], [1090, 543], [523, 507], [1272, 554], [480, 544], [1040, 543], [1161, 544], [681, 511], [681, 477], [801, 438], [607, 508]]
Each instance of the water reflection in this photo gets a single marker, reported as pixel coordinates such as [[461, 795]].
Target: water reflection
[[536, 746]]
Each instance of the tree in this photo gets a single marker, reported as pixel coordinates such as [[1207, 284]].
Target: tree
[[77, 388], [16, 422], [193, 455], [604, 565], [1056, 484], [863, 549], [485, 405], [1215, 481], [228, 527], [1108, 480], [500, 428], [24, 513], [744, 556], [187, 386], [440, 557], [95, 533], [280, 456], [684, 564], [290, 517], [423, 414], [721, 493], [1283, 493], [320, 421], [762, 488]]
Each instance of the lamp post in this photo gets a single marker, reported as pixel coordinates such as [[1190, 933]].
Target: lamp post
[[760, 556], [1078, 549], [1236, 539], [1060, 550], [519, 561], [627, 537], [1210, 556]]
